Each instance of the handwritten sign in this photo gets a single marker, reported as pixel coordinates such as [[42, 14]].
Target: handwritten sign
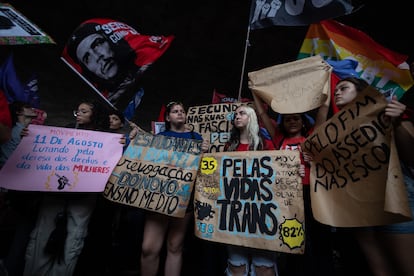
[[356, 178], [56, 159], [213, 122], [156, 173], [252, 199]]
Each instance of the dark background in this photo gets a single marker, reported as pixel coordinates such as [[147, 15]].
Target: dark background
[[206, 54]]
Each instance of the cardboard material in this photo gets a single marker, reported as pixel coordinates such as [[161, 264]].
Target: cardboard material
[[156, 173], [213, 122], [302, 85], [253, 199], [356, 177]]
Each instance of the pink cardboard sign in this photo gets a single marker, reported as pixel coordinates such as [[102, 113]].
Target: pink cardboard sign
[[56, 159]]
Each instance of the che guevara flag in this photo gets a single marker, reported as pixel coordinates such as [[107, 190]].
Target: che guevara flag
[[110, 56], [382, 68]]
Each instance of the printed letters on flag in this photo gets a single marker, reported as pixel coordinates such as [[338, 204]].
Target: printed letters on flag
[[266, 13], [124, 55]]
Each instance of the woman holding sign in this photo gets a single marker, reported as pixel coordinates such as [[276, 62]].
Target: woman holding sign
[[289, 134], [157, 226], [245, 136], [57, 240], [387, 248]]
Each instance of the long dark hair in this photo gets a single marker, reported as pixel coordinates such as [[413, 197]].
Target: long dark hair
[[306, 125], [99, 118], [360, 84], [167, 112]]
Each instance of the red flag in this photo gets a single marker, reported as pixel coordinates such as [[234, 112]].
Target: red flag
[[161, 115], [159, 125], [5, 117], [222, 98], [110, 55], [40, 118]]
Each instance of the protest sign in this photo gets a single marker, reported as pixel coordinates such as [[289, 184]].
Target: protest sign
[[213, 122], [293, 87], [252, 199], [56, 159], [356, 177], [156, 173]]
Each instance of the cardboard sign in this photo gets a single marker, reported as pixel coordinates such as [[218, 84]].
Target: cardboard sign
[[213, 122], [293, 87], [356, 177], [253, 199], [156, 173]]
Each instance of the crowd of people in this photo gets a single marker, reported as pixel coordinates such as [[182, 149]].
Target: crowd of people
[[83, 233]]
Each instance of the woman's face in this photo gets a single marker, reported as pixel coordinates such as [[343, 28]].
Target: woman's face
[[293, 123], [84, 114], [241, 119], [95, 52], [176, 115], [345, 92], [115, 122]]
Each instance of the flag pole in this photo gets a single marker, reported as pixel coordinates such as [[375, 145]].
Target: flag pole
[[244, 62]]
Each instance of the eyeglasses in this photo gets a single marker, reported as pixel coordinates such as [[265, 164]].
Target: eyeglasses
[[83, 112]]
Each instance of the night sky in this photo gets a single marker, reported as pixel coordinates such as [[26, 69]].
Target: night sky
[[207, 53]]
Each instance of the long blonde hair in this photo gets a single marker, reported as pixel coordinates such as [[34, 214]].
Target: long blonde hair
[[253, 129]]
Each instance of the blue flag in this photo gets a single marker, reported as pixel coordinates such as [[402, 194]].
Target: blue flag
[[14, 89], [266, 13], [133, 104], [31, 90], [344, 68], [10, 83]]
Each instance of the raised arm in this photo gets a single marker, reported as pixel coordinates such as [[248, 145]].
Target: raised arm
[[322, 114], [263, 116]]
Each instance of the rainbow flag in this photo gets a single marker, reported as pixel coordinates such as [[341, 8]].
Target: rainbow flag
[[382, 68]]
